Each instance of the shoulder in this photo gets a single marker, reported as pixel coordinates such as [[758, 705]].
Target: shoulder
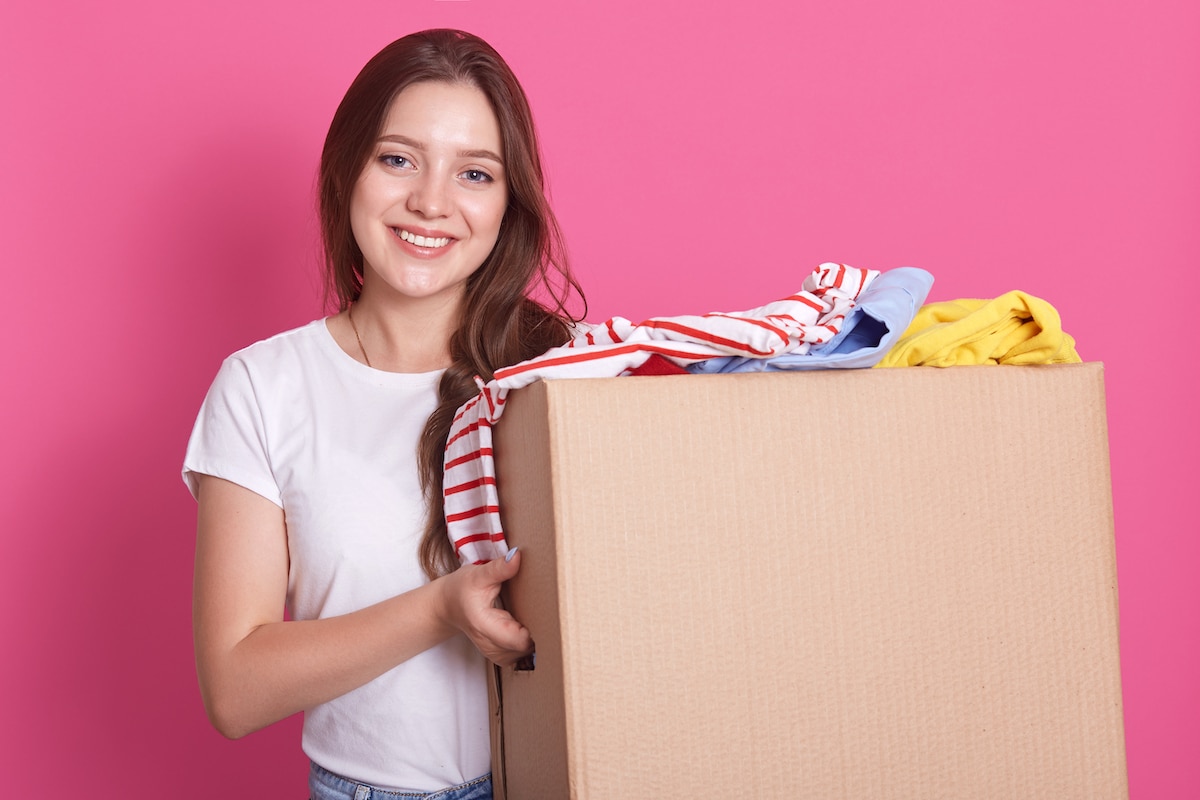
[[275, 365], [297, 342]]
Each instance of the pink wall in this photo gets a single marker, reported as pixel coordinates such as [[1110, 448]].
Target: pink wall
[[157, 165]]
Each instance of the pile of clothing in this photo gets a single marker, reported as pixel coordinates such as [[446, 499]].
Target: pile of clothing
[[842, 318]]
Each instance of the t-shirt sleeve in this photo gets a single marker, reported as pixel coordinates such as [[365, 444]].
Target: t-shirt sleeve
[[230, 439]]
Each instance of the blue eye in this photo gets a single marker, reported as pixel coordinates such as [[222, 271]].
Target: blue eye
[[399, 162], [477, 176]]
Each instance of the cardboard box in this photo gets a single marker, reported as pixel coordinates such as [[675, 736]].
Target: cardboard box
[[842, 584]]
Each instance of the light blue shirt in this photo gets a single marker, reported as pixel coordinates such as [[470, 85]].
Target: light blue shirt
[[884, 311]]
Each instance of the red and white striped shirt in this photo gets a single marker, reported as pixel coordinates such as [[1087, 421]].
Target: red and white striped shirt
[[791, 325]]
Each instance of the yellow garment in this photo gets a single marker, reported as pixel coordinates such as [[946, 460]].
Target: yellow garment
[[1015, 328]]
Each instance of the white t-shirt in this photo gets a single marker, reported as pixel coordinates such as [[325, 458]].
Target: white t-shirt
[[333, 443]]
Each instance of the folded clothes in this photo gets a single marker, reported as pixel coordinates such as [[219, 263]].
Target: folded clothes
[[1015, 328]]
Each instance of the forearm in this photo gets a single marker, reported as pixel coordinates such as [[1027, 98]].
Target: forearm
[[255, 668], [279, 668]]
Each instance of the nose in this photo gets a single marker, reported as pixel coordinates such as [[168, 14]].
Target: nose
[[429, 196]]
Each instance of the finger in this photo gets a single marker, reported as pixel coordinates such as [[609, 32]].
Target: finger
[[512, 653], [502, 638], [502, 569]]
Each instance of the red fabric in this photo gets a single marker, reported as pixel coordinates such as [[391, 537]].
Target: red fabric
[[657, 365]]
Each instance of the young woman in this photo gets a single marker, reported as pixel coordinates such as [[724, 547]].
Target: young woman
[[317, 456]]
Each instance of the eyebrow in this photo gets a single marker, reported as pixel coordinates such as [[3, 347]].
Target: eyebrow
[[488, 154]]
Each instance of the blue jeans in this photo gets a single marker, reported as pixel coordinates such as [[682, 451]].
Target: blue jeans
[[324, 785]]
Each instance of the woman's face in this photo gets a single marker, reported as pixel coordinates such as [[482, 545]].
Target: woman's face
[[426, 209]]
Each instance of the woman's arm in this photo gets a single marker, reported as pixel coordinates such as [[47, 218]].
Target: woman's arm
[[255, 668]]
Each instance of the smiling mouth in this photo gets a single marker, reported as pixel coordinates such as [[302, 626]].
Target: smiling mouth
[[422, 241]]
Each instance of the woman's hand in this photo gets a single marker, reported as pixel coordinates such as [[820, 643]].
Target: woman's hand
[[468, 603]]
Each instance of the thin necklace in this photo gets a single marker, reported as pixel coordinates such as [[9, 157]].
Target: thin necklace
[[361, 349]]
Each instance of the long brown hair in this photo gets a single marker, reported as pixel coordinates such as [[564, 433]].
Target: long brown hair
[[501, 322]]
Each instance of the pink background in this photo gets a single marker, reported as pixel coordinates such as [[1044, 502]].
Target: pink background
[[157, 169]]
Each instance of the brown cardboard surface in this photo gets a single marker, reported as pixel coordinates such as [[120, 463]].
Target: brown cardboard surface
[[841, 584]]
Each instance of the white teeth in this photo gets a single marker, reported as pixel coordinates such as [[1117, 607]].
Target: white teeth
[[424, 241]]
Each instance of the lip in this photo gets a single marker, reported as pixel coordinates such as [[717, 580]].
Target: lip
[[428, 233]]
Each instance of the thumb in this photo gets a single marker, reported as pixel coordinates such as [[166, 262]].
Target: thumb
[[504, 568]]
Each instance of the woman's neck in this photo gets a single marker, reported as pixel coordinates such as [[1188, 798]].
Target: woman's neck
[[403, 336]]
